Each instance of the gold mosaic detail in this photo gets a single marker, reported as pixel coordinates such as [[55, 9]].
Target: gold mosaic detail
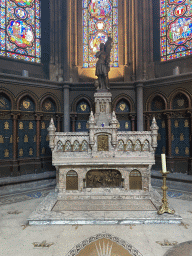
[[180, 102], [186, 151], [47, 105], [20, 125], [172, 137], [43, 125], [26, 104], [20, 152], [26, 138], [176, 123], [11, 139], [6, 126], [1, 139], [30, 151], [30, 125], [186, 123], [83, 107], [181, 137], [2, 103], [42, 244], [47, 137], [167, 243], [43, 151], [122, 106], [87, 125], [6, 153], [18, 139], [163, 124], [79, 126], [177, 150], [102, 143], [35, 138], [118, 125], [159, 136], [126, 125]]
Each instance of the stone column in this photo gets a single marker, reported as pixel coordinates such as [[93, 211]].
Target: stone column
[[132, 123], [58, 123], [38, 119], [190, 147], [139, 88], [170, 162], [66, 108], [14, 168]]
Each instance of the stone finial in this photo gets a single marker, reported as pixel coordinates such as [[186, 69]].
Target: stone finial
[[114, 118], [154, 125], [91, 118], [51, 127]]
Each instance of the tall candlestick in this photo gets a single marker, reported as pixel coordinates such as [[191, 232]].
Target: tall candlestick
[[163, 161]]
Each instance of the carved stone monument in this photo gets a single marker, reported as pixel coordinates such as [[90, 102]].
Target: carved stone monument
[[102, 172]]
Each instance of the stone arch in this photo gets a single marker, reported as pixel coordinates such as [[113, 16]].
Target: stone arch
[[80, 98], [126, 98], [9, 95], [174, 93], [135, 180], [30, 95], [123, 247], [71, 180], [53, 98], [67, 146], [152, 96]]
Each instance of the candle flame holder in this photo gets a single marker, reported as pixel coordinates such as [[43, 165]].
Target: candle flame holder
[[164, 208]]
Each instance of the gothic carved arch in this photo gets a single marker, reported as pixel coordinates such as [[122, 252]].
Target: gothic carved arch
[[152, 96], [123, 97], [78, 99], [10, 96], [53, 98], [30, 94], [104, 238], [177, 91]]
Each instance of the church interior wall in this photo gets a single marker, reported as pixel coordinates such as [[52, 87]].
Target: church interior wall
[[62, 55]]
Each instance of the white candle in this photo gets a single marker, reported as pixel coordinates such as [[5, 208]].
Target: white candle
[[163, 161]]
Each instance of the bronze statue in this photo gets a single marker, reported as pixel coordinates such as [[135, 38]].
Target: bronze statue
[[103, 64]]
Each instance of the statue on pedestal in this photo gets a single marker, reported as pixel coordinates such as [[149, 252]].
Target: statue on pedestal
[[103, 64]]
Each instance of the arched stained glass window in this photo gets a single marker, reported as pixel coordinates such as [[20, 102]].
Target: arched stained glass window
[[20, 29], [100, 20], [175, 28]]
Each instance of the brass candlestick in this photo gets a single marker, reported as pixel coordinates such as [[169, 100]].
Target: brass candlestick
[[164, 208]]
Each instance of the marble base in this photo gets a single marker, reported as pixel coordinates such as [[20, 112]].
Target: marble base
[[43, 215]]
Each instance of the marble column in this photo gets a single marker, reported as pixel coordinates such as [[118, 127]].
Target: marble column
[[139, 89], [66, 122]]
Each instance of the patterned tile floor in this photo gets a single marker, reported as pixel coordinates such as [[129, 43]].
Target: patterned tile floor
[[19, 239]]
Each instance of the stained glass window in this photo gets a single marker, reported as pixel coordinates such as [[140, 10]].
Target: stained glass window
[[175, 28], [20, 29], [100, 20]]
